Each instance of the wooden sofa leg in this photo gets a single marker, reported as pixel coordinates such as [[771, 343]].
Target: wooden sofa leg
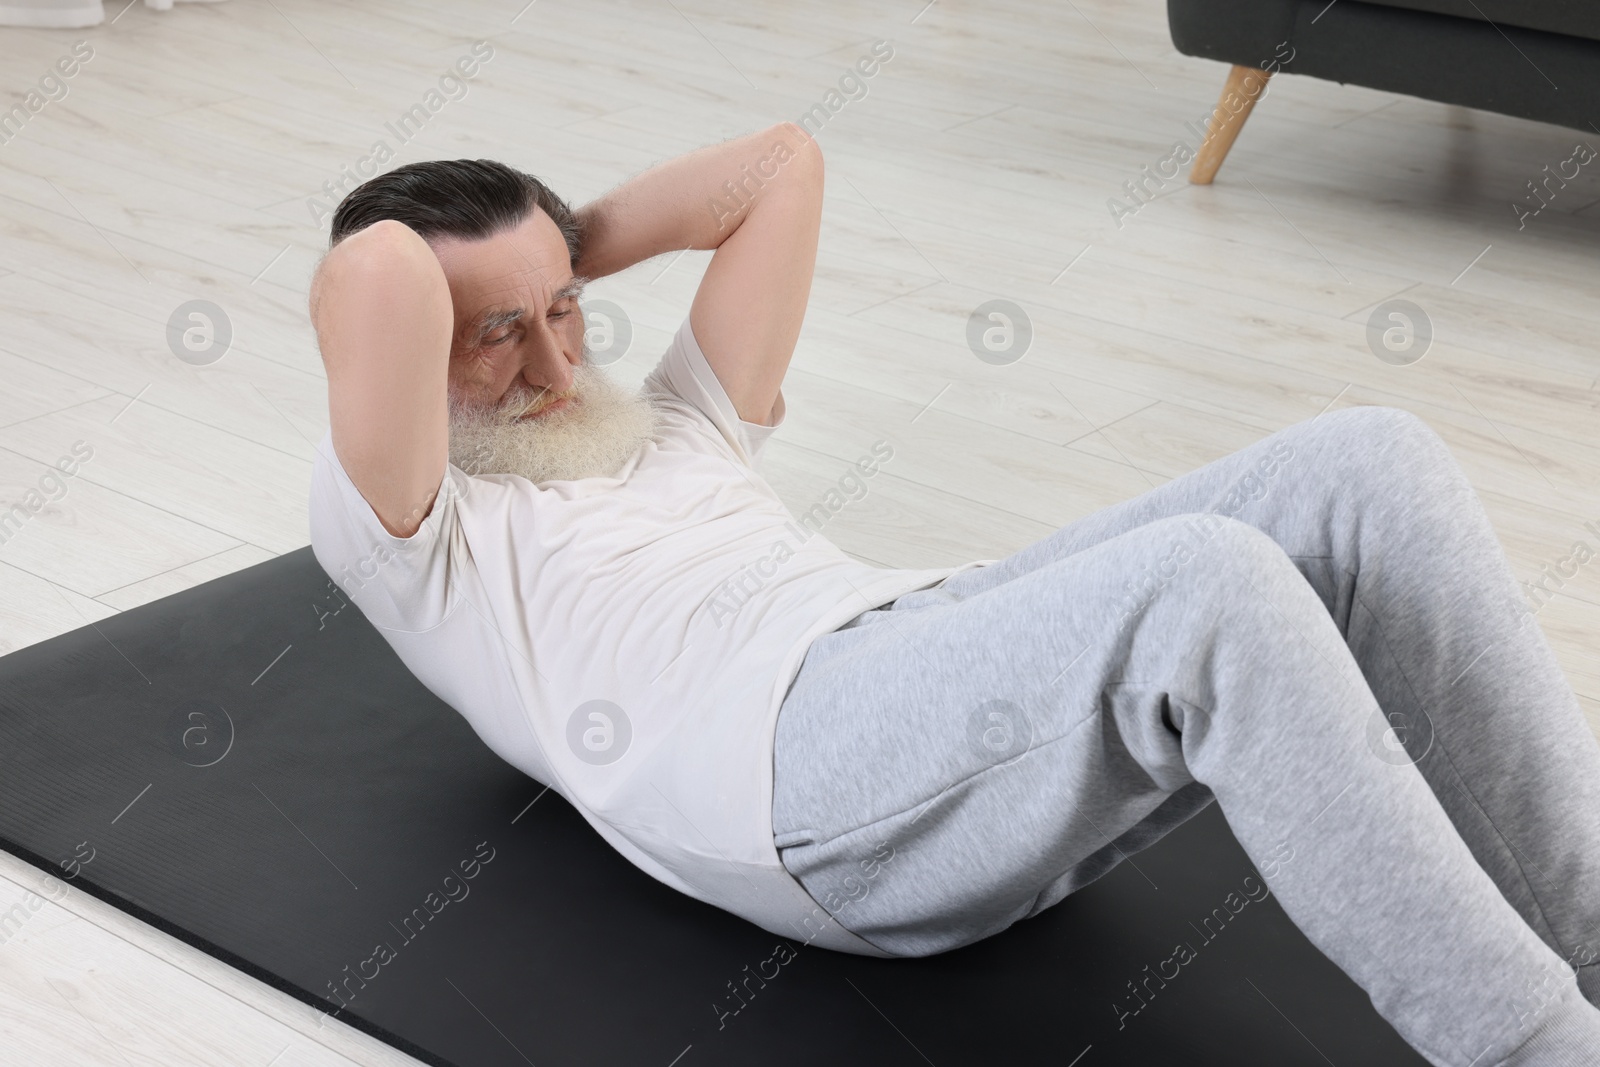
[[1239, 95]]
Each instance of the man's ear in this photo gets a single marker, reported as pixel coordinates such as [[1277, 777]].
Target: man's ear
[[314, 291]]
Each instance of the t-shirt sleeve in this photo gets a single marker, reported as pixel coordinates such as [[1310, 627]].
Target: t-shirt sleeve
[[399, 583], [684, 373]]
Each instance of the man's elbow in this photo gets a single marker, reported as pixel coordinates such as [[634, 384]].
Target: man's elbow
[[387, 243], [798, 154], [381, 258]]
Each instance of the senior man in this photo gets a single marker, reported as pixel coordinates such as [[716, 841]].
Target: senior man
[[1320, 632]]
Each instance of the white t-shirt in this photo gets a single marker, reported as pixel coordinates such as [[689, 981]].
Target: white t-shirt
[[625, 640]]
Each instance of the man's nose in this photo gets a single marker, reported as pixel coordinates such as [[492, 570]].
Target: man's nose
[[547, 367]]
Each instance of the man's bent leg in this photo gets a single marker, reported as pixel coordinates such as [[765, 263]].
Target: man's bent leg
[[1384, 525], [944, 769]]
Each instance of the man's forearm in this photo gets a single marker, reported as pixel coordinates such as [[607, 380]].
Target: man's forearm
[[695, 200]]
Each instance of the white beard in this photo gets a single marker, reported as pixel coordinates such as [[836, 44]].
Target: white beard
[[591, 436]]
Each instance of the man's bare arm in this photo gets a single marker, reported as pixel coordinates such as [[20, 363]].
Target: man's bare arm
[[757, 200], [381, 308]]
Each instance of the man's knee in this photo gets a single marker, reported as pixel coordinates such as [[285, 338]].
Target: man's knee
[[1207, 554], [1394, 438], [1376, 422], [1393, 458], [1244, 557]]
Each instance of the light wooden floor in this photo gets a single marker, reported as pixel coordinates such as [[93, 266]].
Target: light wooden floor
[[978, 166]]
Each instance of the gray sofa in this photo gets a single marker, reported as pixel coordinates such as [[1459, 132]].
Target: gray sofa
[[1535, 59]]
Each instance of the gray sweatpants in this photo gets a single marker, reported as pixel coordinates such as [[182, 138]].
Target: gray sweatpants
[[1320, 633]]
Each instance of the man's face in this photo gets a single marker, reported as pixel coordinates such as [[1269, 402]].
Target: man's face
[[524, 397], [518, 329]]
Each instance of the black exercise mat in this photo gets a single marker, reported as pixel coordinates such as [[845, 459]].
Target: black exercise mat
[[251, 769]]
